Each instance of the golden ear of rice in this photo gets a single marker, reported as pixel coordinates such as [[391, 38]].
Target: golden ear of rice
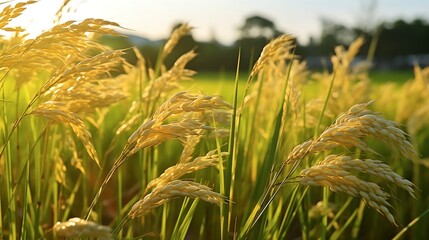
[[183, 102], [350, 83], [175, 172], [339, 180], [76, 162], [60, 169], [153, 131], [61, 47], [176, 188], [154, 135], [413, 96], [10, 12], [169, 80], [351, 128], [96, 67], [58, 113], [335, 172], [376, 168], [189, 147], [157, 87], [59, 13], [86, 96], [79, 228], [275, 51], [178, 33]]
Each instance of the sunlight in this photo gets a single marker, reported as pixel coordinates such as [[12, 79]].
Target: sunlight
[[38, 17]]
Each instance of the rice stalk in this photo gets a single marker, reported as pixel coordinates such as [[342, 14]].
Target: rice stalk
[[73, 44], [335, 172], [153, 131], [72, 76]]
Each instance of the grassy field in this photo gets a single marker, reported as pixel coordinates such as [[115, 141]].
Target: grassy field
[[277, 153], [222, 83], [391, 76]]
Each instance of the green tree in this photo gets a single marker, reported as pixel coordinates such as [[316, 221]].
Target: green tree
[[255, 33]]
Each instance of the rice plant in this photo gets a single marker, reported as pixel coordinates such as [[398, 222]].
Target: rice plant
[[94, 147]]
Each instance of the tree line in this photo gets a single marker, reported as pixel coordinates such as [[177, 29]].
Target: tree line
[[394, 41]]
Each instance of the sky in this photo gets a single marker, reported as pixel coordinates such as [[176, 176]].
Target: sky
[[221, 19]]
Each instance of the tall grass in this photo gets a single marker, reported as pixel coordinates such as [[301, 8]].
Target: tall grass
[[93, 147]]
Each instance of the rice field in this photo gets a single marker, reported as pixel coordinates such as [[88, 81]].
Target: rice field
[[93, 147]]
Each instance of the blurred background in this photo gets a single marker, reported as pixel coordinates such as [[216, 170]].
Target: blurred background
[[399, 30]]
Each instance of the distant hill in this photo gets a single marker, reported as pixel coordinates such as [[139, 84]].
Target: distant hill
[[142, 41], [130, 40]]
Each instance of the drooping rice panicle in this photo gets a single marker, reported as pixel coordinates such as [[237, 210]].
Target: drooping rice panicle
[[59, 113], [350, 128], [62, 46], [156, 130], [350, 84], [60, 169], [277, 50], [79, 228], [180, 103], [85, 96], [72, 76], [340, 180], [369, 166], [169, 80], [189, 147], [183, 102], [153, 132], [60, 10], [176, 188], [178, 33], [157, 88], [151, 135], [336, 172], [96, 67], [413, 95], [175, 172], [10, 12]]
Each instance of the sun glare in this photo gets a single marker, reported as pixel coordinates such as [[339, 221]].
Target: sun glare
[[38, 17]]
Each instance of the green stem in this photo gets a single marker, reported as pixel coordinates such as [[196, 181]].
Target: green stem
[[325, 104], [119, 198], [325, 213], [410, 225], [230, 172], [109, 175], [120, 225]]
